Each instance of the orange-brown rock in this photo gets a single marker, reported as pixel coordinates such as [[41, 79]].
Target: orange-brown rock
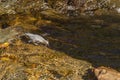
[[104, 73]]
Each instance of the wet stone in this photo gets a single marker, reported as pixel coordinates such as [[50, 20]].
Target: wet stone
[[8, 34]]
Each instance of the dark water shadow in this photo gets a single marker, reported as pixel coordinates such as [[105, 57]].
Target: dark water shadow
[[100, 46], [111, 18]]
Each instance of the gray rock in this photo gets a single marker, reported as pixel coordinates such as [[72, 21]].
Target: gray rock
[[8, 34]]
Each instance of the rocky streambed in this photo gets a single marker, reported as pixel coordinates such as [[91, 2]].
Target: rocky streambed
[[76, 45]]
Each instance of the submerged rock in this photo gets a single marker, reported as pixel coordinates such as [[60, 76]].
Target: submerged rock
[[12, 71], [96, 26], [103, 73], [9, 34]]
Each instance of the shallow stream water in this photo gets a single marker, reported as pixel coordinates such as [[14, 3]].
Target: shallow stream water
[[75, 45], [95, 39]]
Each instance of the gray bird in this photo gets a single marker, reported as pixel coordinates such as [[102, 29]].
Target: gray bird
[[36, 39]]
